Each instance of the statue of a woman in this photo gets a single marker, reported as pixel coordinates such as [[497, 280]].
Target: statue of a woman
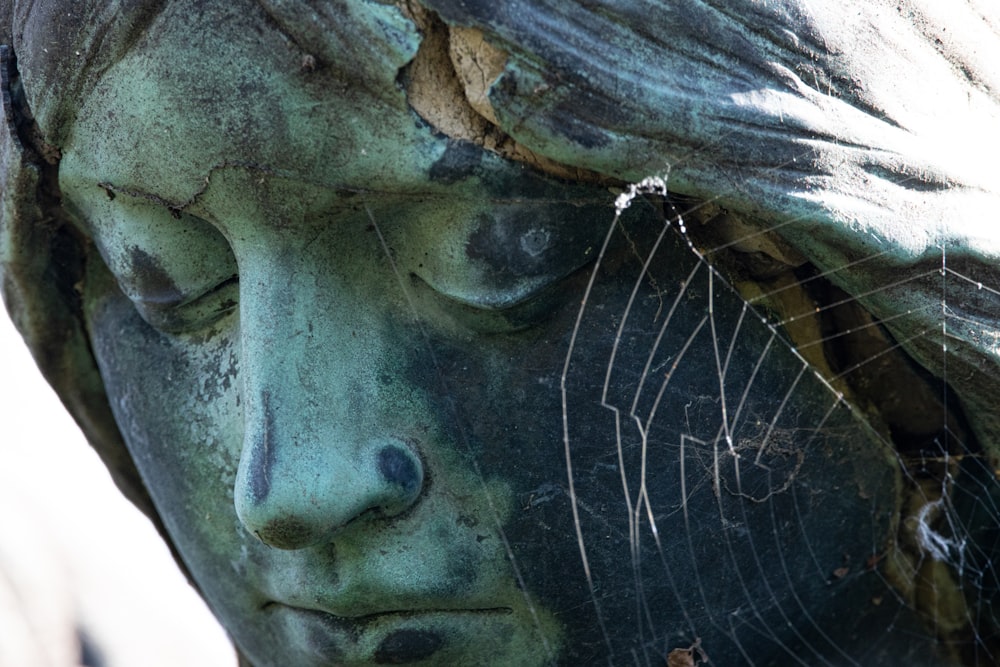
[[355, 302]]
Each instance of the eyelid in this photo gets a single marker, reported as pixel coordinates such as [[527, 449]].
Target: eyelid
[[529, 310], [501, 285], [179, 300], [193, 313], [499, 256], [506, 299]]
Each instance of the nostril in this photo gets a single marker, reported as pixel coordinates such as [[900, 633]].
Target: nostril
[[400, 467]]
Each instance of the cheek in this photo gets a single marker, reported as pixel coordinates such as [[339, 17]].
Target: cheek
[[177, 405]]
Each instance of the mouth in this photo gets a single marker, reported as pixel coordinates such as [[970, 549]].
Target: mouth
[[390, 637]]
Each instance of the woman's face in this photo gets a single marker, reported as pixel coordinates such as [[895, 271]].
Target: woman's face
[[349, 359], [333, 402]]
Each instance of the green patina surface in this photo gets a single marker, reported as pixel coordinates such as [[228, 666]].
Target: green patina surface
[[316, 322]]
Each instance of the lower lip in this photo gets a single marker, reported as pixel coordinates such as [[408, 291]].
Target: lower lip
[[392, 638]]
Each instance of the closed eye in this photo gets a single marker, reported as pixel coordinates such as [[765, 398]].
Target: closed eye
[[191, 314], [499, 312]]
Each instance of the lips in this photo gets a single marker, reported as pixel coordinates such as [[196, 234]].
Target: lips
[[392, 637], [355, 621]]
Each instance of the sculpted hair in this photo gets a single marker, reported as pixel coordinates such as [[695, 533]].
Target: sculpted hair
[[54, 51]]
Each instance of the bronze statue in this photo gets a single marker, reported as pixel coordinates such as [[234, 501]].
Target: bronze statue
[[341, 294]]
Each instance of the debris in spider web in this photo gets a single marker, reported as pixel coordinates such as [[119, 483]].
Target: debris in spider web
[[680, 657], [650, 185], [687, 657]]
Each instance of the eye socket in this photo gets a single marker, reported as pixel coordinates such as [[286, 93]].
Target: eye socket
[[177, 269], [497, 266]]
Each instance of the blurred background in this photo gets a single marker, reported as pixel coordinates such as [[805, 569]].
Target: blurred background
[[84, 578]]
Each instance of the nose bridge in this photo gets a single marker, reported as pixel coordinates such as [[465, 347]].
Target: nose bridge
[[315, 456]]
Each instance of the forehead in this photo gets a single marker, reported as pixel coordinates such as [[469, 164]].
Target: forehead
[[197, 93]]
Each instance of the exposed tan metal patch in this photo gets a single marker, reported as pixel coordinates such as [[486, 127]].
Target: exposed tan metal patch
[[448, 83]]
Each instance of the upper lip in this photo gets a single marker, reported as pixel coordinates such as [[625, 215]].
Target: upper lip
[[362, 617]]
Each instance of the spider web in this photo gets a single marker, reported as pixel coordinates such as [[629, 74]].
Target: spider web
[[781, 499]]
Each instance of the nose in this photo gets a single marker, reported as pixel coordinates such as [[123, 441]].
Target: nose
[[316, 456], [295, 488]]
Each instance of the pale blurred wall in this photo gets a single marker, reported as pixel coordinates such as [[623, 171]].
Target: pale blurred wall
[[70, 545]]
